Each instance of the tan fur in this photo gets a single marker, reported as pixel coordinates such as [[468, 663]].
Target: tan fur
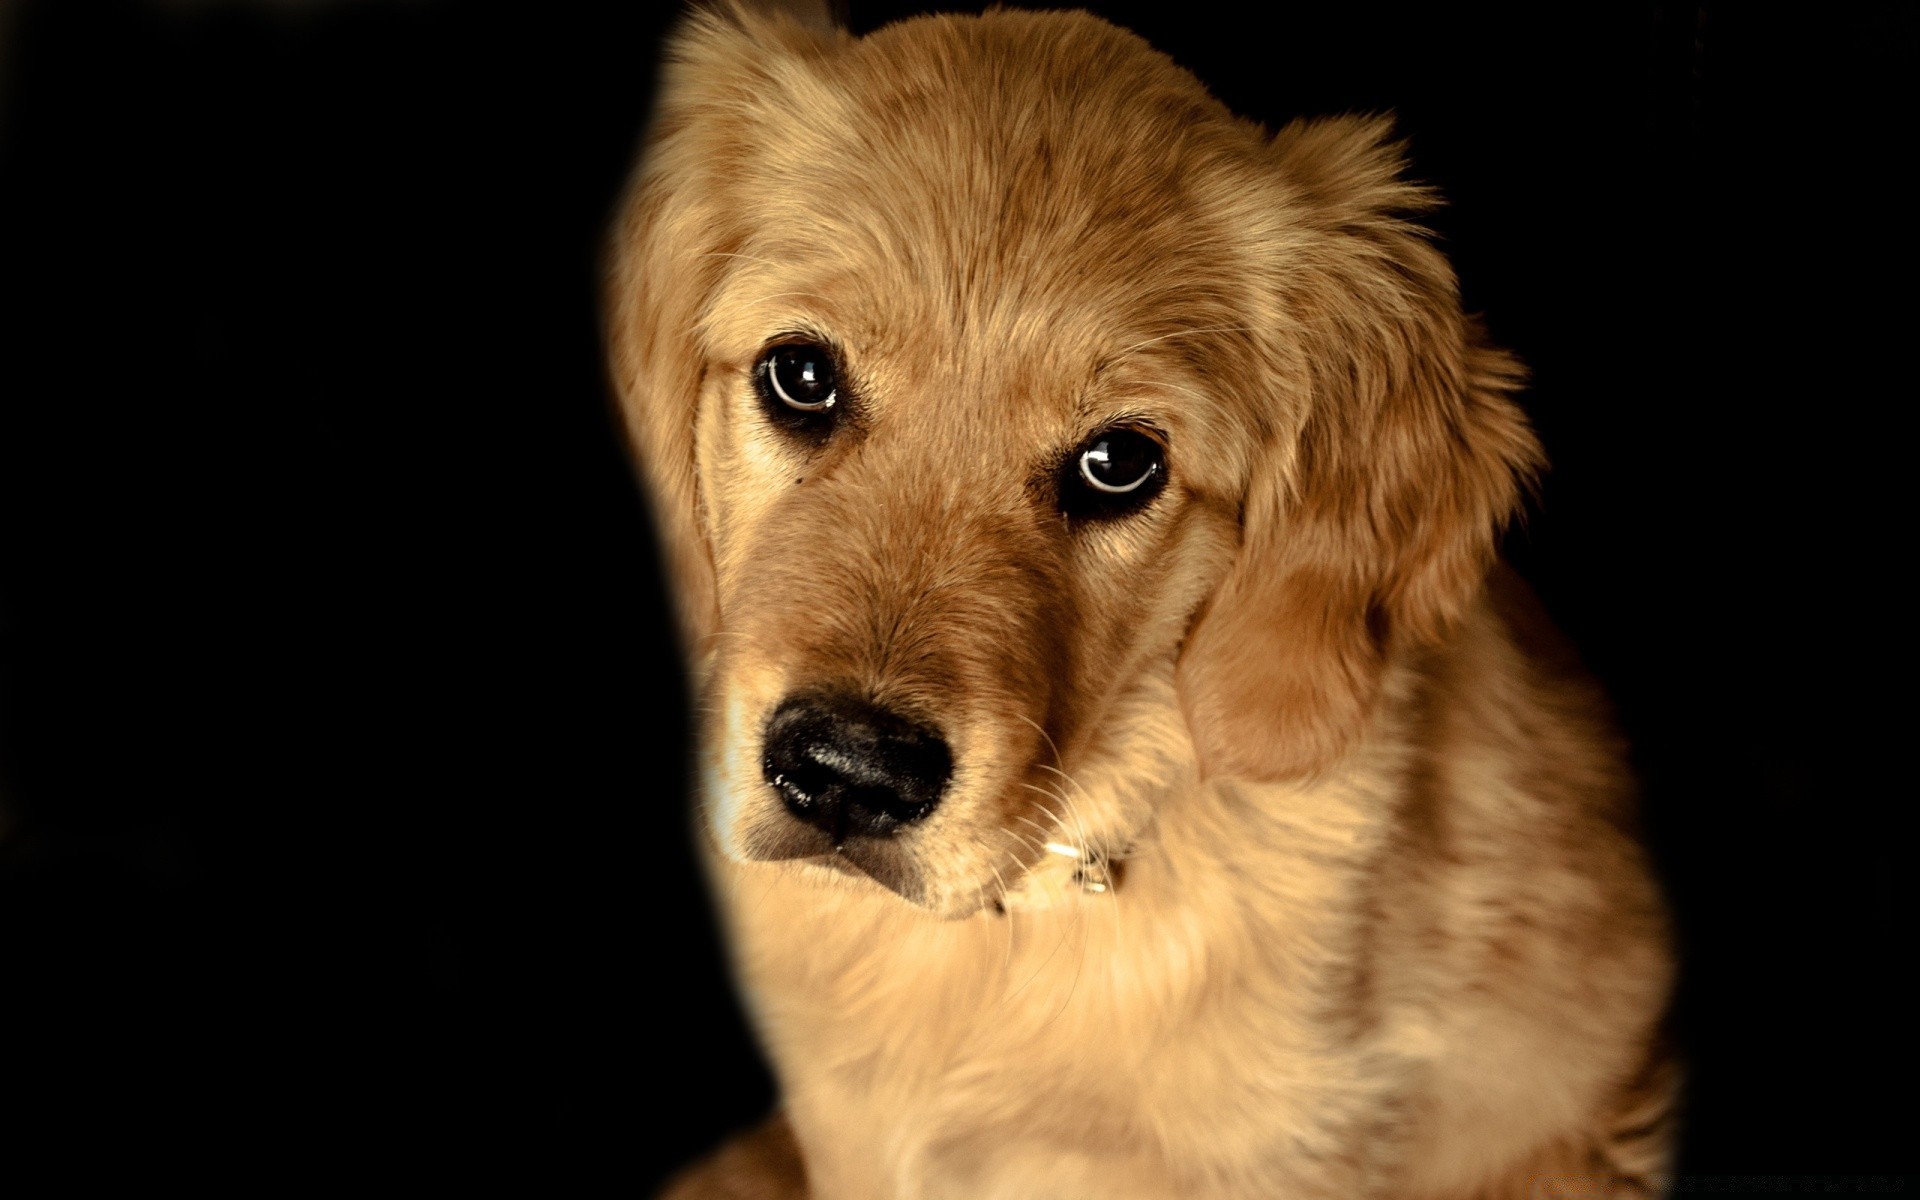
[[1384, 929]]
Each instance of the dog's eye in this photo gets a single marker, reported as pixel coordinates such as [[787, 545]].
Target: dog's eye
[[1112, 473], [799, 378]]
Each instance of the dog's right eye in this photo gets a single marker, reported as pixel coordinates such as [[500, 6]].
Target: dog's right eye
[[799, 383]]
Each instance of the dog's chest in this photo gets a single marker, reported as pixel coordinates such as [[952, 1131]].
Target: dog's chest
[[1073, 1045]]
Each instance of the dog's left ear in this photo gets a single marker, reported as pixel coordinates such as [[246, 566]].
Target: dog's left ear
[[668, 253], [1373, 513]]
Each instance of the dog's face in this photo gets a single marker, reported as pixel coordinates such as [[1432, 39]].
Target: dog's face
[[1026, 431]]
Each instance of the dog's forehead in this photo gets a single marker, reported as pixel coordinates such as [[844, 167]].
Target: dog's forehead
[[1043, 185]]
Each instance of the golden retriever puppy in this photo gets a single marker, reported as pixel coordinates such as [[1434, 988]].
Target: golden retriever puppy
[[1125, 771]]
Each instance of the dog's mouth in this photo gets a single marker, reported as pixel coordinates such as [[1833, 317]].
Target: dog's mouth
[[855, 857], [1064, 872]]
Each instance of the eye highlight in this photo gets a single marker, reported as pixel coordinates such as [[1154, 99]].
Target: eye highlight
[[799, 385], [1112, 473]]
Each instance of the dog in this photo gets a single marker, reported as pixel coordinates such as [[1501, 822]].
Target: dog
[[1125, 769]]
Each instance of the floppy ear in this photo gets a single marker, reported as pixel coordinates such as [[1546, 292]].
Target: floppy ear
[[667, 256], [1370, 521]]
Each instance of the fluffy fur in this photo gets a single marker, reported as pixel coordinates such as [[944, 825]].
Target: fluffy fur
[[1354, 907]]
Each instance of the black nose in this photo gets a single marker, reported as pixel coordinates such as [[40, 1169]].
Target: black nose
[[852, 768]]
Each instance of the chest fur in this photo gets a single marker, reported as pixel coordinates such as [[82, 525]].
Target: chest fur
[[1123, 1042]]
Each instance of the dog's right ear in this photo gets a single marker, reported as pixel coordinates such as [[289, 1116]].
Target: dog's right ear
[[1371, 526], [668, 254]]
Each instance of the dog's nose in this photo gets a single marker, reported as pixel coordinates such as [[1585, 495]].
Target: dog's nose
[[853, 768]]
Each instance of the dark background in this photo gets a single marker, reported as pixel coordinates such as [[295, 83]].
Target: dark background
[[342, 771]]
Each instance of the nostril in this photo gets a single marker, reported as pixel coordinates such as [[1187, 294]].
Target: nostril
[[854, 768]]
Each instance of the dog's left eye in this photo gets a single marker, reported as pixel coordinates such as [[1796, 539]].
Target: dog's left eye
[[799, 380], [1112, 473]]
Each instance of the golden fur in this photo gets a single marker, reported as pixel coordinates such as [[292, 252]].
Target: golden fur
[[1381, 927]]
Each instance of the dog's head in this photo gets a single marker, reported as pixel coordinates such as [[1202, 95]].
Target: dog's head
[[1025, 430]]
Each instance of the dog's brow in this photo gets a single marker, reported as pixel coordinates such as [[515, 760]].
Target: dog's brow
[[1178, 333]]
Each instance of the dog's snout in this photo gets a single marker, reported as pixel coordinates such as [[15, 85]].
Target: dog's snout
[[852, 768]]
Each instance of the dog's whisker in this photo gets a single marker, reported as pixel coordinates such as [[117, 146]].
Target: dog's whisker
[[1071, 810], [1058, 766], [1058, 798], [1007, 951], [1027, 841], [1038, 828], [1065, 928], [1062, 774], [1070, 780], [1183, 390], [1096, 855], [1078, 925], [1089, 850], [760, 301], [1056, 810], [1052, 746], [1006, 958], [1081, 847]]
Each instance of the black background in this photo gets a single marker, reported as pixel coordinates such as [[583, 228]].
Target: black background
[[343, 733]]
